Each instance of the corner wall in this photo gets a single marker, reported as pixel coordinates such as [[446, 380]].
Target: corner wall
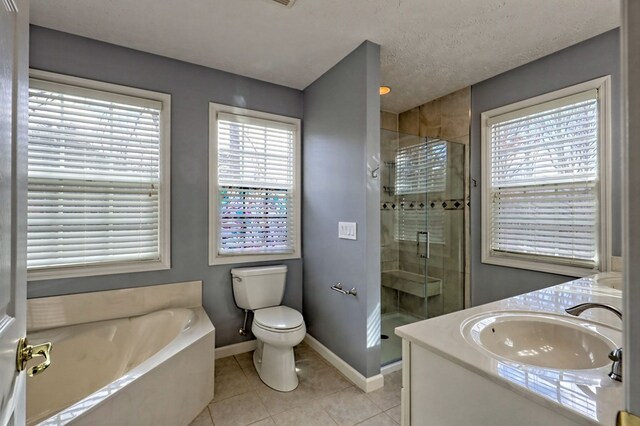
[[593, 58], [341, 148], [191, 87]]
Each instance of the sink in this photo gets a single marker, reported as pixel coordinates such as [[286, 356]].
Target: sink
[[541, 340]]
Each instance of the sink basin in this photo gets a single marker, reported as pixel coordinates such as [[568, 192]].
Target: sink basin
[[541, 340]]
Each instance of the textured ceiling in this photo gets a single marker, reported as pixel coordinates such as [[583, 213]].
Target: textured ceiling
[[429, 47]]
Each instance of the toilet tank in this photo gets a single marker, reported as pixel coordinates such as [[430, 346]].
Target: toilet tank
[[259, 287]]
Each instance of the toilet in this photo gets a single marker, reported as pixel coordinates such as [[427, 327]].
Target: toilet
[[277, 328]]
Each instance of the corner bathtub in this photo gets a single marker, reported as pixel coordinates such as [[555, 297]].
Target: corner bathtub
[[153, 369]]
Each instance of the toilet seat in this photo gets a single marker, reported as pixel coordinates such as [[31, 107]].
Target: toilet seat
[[280, 319]]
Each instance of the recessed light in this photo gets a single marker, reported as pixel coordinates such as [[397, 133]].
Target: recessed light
[[384, 90]]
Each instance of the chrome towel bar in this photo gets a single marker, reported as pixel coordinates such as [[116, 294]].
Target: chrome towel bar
[[339, 289]]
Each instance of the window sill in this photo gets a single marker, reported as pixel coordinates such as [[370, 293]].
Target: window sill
[[250, 258], [94, 270], [551, 268]]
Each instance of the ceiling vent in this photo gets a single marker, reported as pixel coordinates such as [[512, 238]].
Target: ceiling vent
[[287, 3]]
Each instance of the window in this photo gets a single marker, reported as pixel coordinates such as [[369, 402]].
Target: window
[[254, 194], [422, 168], [545, 186], [98, 178], [421, 171]]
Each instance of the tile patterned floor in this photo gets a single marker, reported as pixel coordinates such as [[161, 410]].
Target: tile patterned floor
[[323, 397]]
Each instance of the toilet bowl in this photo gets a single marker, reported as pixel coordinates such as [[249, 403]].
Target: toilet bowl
[[277, 328]]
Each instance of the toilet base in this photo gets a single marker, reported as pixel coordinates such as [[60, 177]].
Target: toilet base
[[276, 366]]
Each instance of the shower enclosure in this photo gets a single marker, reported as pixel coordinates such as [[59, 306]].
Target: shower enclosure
[[423, 202]]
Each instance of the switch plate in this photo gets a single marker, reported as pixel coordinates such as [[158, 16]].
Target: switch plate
[[347, 230]]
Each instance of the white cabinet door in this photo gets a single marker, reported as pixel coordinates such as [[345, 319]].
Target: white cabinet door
[[13, 163]]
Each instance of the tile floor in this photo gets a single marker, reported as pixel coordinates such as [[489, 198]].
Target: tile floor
[[323, 397]]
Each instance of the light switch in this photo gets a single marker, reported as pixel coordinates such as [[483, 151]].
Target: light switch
[[347, 230]]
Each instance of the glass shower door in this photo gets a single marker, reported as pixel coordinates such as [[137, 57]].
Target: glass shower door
[[405, 234], [421, 252]]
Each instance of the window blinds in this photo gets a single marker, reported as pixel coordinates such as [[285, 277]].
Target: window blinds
[[93, 177], [421, 168], [544, 181], [411, 221], [256, 185]]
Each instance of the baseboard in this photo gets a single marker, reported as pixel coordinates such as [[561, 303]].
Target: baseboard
[[367, 384], [235, 349], [390, 368]]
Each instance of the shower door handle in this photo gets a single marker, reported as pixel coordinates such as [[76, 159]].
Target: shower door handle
[[420, 254]]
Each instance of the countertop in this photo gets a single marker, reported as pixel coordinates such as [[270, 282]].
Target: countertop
[[586, 396]]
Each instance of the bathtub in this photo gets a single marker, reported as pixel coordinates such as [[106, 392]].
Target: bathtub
[[150, 369]]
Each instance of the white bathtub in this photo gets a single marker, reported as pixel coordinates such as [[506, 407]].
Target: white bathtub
[[152, 369]]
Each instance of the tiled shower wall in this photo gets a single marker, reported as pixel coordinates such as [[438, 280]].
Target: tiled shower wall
[[445, 118]]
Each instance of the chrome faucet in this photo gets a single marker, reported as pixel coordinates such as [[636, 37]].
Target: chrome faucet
[[615, 355], [578, 309]]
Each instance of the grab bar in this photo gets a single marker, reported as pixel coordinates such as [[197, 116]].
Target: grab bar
[[338, 288]]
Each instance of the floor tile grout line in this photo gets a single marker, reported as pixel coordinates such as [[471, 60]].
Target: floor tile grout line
[[375, 415], [209, 412], [330, 416]]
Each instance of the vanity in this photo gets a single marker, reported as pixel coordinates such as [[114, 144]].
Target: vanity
[[521, 360]]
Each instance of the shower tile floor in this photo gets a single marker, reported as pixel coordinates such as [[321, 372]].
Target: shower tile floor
[[392, 347], [323, 397]]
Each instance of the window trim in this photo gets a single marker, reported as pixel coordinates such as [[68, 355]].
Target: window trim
[[164, 221], [522, 261], [214, 257]]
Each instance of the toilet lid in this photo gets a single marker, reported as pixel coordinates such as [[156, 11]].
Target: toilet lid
[[278, 318]]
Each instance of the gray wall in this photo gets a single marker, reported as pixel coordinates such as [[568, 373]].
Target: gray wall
[[631, 226], [341, 145], [191, 87], [585, 61]]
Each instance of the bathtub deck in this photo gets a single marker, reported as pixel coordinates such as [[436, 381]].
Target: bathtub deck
[[324, 396]]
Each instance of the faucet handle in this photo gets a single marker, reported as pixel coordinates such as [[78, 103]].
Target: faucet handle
[[616, 367], [616, 355]]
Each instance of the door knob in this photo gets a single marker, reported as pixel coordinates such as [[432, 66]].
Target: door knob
[[27, 352]]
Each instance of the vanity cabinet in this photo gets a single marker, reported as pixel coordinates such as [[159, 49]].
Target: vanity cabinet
[[439, 392], [449, 381]]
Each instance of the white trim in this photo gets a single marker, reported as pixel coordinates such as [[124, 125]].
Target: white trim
[[97, 269], [405, 392], [367, 384], [214, 258], [164, 244], [235, 349], [99, 85], [390, 368], [603, 85]]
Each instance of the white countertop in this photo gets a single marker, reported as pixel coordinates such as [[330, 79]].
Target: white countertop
[[586, 396]]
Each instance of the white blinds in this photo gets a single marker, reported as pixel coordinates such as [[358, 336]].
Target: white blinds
[[411, 221], [421, 168], [256, 185], [544, 181], [93, 174]]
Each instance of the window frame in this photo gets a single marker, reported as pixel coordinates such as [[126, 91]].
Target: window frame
[[164, 208], [214, 257], [533, 262]]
